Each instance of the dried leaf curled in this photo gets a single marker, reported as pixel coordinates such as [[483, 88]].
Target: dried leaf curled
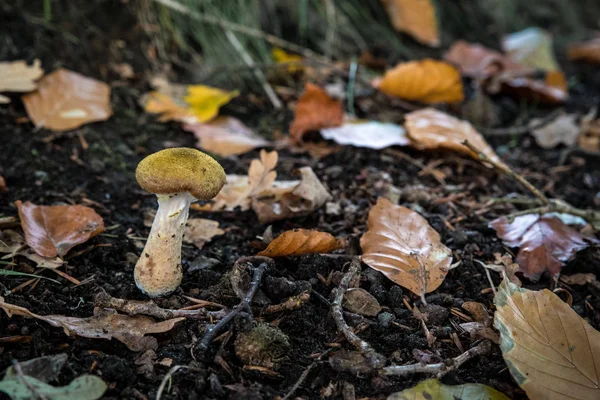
[[200, 231], [301, 241]]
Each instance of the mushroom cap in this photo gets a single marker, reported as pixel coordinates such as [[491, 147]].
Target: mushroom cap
[[181, 169]]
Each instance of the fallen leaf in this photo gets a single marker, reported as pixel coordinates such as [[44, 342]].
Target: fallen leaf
[[205, 101], [315, 111], [261, 173], [531, 47], [429, 129], [45, 369], [226, 136], [589, 138], [400, 244], [479, 330], [562, 130], [432, 389], [199, 231], [477, 61], [545, 243], [3, 187], [578, 279], [588, 51], [283, 57], [168, 108], [105, 324], [66, 100], [17, 76], [551, 352], [361, 302], [14, 243], [477, 310], [84, 387], [551, 90], [301, 241], [54, 230], [415, 17], [370, 134]]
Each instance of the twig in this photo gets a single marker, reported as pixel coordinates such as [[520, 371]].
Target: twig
[[244, 305], [292, 303], [304, 374], [19, 371], [375, 360], [257, 72], [439, 369], [167, 378]]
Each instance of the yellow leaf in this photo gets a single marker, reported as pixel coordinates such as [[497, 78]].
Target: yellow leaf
[[301, 241], [415, 17], [432, 389], [205, 101], [281, 56]]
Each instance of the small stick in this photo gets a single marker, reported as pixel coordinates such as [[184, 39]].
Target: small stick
[[244, 305], [439, 369], [304, 375], [376, 360]]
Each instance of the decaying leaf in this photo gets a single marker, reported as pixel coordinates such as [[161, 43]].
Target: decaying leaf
[[432, 389], [477, 61], [578, 279], [369, 134], [531, 47], [359, 301], [301, 241], [54, 230], [588, 51], [84, 387], [45, 368], [563, 130], [315, 111], [226, 136], [428, 81], [105, 324], [17, 76], [551, 352], [545, 243], [429, 129], [200, 231], [205, 101], [415, 17], [13, 243], [400, 244], [66, 100]]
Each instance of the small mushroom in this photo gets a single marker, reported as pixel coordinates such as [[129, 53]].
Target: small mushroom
[[178, 177]]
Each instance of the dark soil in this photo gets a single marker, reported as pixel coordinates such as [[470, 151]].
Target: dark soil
[[48, 169]]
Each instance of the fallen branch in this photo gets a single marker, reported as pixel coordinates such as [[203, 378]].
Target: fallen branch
[[439, 369], [375, 359]]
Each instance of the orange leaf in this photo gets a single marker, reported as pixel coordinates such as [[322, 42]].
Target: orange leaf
[[415, 17], [315, 110], [66, 100], [401, 245], [54, 230], [301, 241], [588, 51], [428, 81], [430, 129]]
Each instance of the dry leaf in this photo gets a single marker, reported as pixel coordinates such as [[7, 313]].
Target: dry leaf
[[428, 81], [545, 243], [3, 187], [17, 76], [226, 136], [432, 389], [430, 129], [359, 301], [562, 130], [588, 51], [168, 108], [283, 57], [369, 134], [54, 230], [477, 61], [105, 324], [477, 310], [531, 47], [315, 110], [301, 241], [205, 101], [589, 138], [14, 243], [200, 231], [551, 352], [578, 279], [415, 17], [66, 100], [551, 90], [261, 173], [400, 244]]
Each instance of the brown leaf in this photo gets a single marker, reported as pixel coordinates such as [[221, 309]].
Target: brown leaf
[[477, 310], [105, 324], [415, 17], [562, 130], [477, 61], [200, 231], [17, 76], [578, 279], [54, 230], [359, 301], [301, 241], [315, 111], [551, 90], [545, 242], [588, 51], [430, 129], [226, 136], [66, 100], [3, 187], [400, 244], [14, 243], [551, 351], [261, 173]]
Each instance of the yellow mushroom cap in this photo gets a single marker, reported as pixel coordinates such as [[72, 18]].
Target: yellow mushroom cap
[[181, 169]]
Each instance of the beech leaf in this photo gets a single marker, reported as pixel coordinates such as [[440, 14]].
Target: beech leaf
[[200, 231], [66, 100], [301, 241], [54, 230], [405, 248], [432, 389], [17, 76], [315, 110], [545, 243], [551, 352], [415, 17], [359, 301], [477, 61], [369, 134]]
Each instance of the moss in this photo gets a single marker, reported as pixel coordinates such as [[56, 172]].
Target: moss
[[265, 346]]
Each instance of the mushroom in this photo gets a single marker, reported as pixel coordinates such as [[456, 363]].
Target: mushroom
[[178, 177]]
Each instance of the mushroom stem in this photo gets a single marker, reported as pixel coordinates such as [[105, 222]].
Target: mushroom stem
[[158, 271]]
